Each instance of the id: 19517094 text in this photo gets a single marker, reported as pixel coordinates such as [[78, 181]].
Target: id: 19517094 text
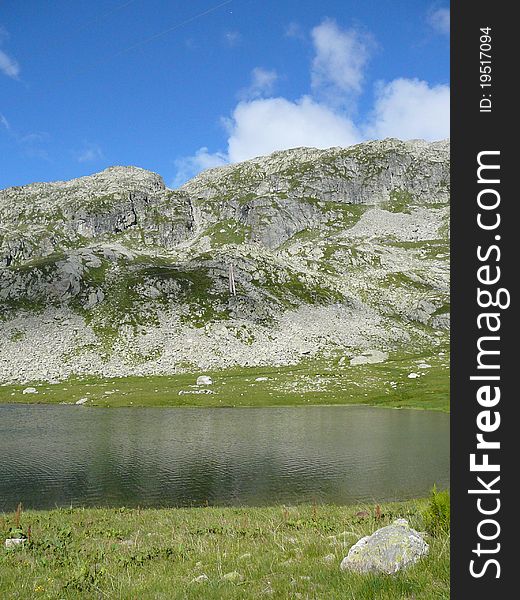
[[486, 68]]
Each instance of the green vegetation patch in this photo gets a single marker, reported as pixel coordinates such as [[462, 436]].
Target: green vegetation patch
[[400, 201], [43, 263], [291, 288], [340, 215], [228, 231], [445, 309], [437, 514], [399, 279], [192, 287], [103, 204]]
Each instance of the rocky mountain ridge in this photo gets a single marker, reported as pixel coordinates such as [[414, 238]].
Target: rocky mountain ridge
[[333, 252]]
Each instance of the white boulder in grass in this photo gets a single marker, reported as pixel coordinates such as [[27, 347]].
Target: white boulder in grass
[[388, 550], [12, 542], [370, 357], [204, 380], [232, 576], [30, 390]]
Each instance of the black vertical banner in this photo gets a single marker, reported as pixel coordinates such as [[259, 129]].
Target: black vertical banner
[[485, 437]]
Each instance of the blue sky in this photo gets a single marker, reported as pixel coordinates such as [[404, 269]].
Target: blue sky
[[176, 87]]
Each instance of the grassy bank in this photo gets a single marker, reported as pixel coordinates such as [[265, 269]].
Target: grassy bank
[[311, 382], [211, 553]]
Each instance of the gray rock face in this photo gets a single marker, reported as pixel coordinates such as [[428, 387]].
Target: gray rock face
[[341, 250], [119, 200], [280, 194], [388, 550]]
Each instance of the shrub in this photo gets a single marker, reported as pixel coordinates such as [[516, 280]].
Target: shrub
[[437, 514]]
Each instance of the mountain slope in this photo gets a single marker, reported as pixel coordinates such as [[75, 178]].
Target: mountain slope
[[334, 252]]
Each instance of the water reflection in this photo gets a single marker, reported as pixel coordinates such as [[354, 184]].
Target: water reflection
[[62, 455]]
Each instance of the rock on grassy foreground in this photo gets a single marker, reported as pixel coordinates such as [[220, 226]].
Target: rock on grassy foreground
[[388, 550], [336, 253], [272, 552]]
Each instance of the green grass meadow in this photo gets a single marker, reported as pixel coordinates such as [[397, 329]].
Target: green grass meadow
[[308, 383], [211, 553]]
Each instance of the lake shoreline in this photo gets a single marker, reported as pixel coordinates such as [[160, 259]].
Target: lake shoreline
[[210, 552], [244, 406]]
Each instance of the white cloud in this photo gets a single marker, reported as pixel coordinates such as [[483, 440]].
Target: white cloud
[[439, 19], [410, 108], [32, 144], [259, 125], [262, 126], [232, 38], [9, 66], [294, 30], [33, 138], [5, 122], [262, 83], [340, 59], [90, 153], [188, 166]]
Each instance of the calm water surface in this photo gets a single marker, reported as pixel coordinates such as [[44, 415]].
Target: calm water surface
[[69, 455]]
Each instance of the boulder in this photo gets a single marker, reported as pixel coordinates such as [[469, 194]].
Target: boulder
[[12, 542], [387, 550], [232, 576], [30, 390], [204, 380], [370, 357]]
